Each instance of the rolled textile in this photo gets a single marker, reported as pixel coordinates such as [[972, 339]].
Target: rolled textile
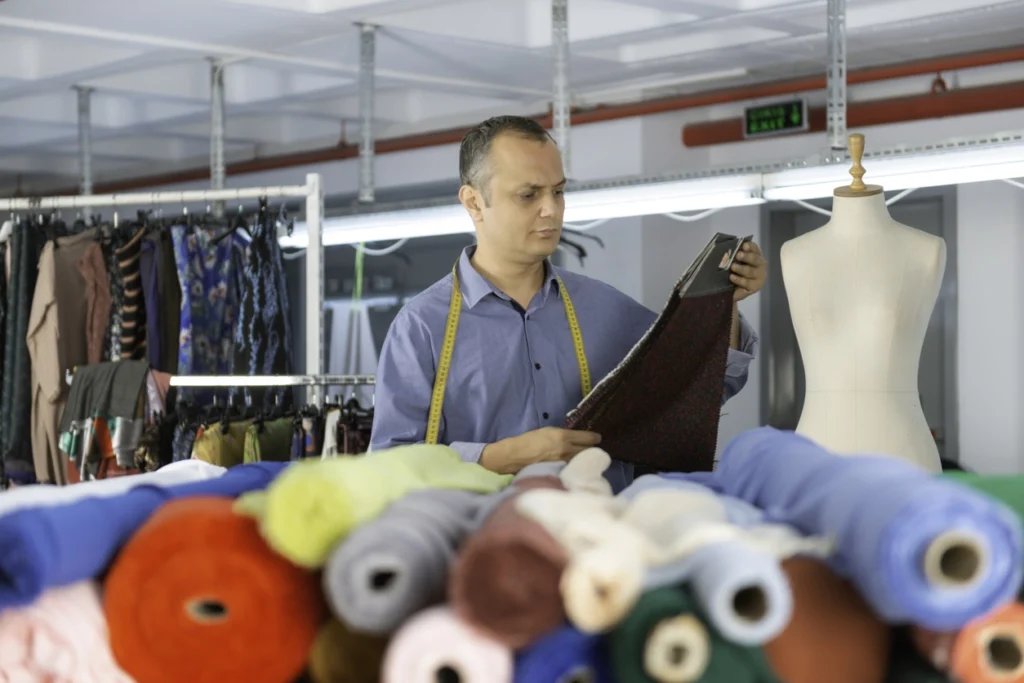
[[741, 589], [885, 515], [317, 503], [505, 580], [564, 656], [63, 544], [666, 640], [397, 565], [831, 629], [341, 655], [988, 650], [436, 646], [59, 638], [197, 596], [44, 495]]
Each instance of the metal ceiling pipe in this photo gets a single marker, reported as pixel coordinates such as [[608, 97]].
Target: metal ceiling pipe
[[367, 65], [218, 170], [84, 139], [595, 115], [935, 105], [836, 79], [560, 106]]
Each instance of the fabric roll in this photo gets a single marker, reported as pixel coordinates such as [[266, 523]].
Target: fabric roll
[[741, 589], [64, 544], [317, 503], [988, 650], [397, 564], [885, 515], [665, 640], [23, 497], [197, 596], [832, 629], [564, 656], [505, 555], [60, 638], [435, 645], [341, 655], [97, 301]]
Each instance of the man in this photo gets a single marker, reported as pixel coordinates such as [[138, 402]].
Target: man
[[514, 370]]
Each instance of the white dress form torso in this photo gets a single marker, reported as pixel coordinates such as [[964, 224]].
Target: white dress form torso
[[861, 291]]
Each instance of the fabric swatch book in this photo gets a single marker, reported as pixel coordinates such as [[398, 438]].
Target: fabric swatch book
[[659, 409]]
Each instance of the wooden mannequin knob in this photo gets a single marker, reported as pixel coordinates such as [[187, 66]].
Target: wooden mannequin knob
[[856, 144]]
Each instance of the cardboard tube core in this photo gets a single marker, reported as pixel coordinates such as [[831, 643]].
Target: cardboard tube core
[[1005, 655], [207, 610], [750, 603], [447, 674], [954, 560], [677, 650]]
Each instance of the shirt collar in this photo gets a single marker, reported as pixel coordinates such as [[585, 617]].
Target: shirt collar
[[475, 286]]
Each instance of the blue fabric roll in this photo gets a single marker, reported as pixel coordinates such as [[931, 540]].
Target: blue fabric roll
[[563, 656], [882, 513], [738, 512], [55, 546]]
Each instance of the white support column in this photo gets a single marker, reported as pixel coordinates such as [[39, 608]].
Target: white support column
[[367, 66], [217, 166], [314, 281], [560, 67], [84, 139], [837, 78]]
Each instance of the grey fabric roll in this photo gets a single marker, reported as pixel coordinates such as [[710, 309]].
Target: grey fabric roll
[[396, 565]]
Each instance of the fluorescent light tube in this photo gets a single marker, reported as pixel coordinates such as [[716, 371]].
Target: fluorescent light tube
[[900, 173], [580, 206]]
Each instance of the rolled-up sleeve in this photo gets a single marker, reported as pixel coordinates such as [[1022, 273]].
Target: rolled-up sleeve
[[737, 365], [405, 382]]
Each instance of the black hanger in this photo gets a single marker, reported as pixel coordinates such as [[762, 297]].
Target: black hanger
[[581, 253], [587, 235]]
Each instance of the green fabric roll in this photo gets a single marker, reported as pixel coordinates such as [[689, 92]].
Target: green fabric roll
[[907, 666], [1007, 488], [727, 663]]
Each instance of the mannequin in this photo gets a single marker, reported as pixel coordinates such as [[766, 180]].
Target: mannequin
[[861, 290]]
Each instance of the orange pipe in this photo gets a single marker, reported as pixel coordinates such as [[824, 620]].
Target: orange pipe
[[594, 115], [879, 112]]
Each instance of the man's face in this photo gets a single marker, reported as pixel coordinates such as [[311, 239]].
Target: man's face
[[526, 188]]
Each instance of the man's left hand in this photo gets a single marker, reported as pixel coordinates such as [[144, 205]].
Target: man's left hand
[[749, 270]]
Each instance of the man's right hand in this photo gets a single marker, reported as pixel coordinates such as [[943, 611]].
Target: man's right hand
[[547, 444]]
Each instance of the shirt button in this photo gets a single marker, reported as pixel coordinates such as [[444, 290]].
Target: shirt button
[[545, 416], [537, 365]]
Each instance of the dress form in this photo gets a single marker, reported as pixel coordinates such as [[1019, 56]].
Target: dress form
[[861, 291]]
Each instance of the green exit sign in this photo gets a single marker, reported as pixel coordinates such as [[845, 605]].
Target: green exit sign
[[771, 119]]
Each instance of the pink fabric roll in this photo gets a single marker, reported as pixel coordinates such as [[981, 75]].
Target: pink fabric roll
[[60, 638], [436, 639]]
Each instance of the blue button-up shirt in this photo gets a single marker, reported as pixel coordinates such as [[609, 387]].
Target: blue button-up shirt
[[512, 371]]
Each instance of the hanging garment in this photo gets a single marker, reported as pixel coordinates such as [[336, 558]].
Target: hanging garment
[[222, 446], [352, 349], [169, 294], [3, 332], [263, 331], [208, 303], [149, 272], [27, 243], [660, 407], [56, 343], [116, 281], [133, 306], [268, 441], [98, 303]]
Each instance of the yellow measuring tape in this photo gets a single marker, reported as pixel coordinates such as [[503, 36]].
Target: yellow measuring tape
[[448, 346]]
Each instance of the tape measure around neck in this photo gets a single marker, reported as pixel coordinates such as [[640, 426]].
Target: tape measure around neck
[[448, 347]]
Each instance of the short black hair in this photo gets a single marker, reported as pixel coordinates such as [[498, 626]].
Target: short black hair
[[476, 145]]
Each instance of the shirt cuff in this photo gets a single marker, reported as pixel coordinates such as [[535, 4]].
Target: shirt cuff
[[738, 360], [468, 450]]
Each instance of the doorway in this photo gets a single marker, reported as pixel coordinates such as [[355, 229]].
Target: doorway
[[782, 372]]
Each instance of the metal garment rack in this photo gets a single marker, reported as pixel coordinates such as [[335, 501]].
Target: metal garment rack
[[312, 191], [272, 380]]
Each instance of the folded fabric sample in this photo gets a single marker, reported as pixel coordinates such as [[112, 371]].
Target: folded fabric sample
[[341, 655], [505, 580], [397, 565], [45, 496], [60, 638], [435, 645], [665, 639], [660, 407], [197, 596], [63, 544], [317, 503], [564, 656], [921, 549], [832, 629], [988, 650]]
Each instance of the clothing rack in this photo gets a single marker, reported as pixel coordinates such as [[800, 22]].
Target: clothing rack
[[312, 191], [272, 380]]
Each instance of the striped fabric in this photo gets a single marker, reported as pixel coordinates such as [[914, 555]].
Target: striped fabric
[[133, 307]]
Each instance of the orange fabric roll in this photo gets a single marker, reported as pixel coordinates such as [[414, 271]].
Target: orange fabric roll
[[988, 650], [832, 630], [196, 596]]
